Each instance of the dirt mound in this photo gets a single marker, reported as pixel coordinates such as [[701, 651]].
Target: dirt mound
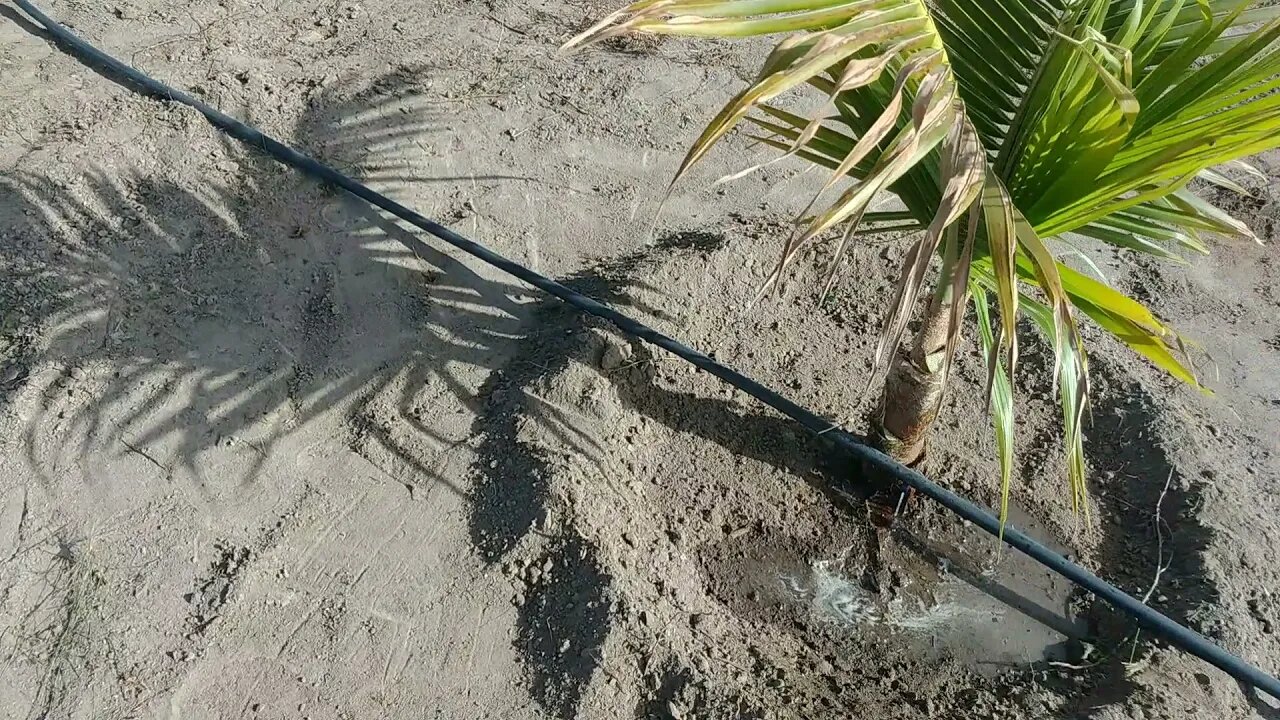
[[675, 548]]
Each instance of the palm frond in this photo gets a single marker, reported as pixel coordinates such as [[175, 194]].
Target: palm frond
[[1032, 118], [1001, 398]]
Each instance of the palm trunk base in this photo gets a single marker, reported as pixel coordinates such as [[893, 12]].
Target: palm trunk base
[[900, 429]]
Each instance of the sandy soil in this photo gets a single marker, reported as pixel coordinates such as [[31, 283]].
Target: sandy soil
[[266, 453]]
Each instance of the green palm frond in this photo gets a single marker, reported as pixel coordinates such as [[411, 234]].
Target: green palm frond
[[999, 123]]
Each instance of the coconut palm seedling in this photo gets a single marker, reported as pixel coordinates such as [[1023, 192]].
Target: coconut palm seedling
[[999, 124]]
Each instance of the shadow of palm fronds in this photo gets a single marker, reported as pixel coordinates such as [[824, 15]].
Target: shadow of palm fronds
[[561, 622], [230, 304], [385, 133]]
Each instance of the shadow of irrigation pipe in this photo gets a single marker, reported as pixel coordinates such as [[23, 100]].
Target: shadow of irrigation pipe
[[1151, 620], [993, 589]]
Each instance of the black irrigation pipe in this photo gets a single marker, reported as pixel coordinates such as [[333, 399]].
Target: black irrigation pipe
[[1148, 618]]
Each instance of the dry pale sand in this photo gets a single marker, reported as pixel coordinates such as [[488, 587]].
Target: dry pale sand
[[265, 453]]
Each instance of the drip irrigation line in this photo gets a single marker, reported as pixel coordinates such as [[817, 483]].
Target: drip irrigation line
[[1145, 616]]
